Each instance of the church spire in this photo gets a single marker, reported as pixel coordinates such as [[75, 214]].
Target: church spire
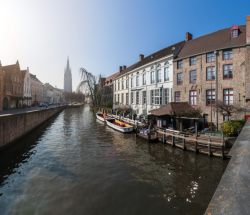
[[67, 78], [68, 62]]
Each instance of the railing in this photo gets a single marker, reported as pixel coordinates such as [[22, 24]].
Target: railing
[[198, 143]]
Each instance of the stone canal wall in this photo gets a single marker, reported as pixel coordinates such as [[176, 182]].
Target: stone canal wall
[[14, 126], [232, 195]]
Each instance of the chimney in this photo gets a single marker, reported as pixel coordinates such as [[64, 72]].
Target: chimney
[[124, 67], [248, 30], [141, 57], [120, 68], [189, 36]]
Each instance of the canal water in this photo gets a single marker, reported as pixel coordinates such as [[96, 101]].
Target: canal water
[[76, 165]]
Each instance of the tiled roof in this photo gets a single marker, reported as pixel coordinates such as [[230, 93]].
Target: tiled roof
[[173, 108], [34, 78], [10, 68], [109, 80], [214, 41], [173, 49]]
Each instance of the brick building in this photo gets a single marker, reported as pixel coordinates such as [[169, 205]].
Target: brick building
[[13, 86], [108, 90], [196, 80], [1, 87]]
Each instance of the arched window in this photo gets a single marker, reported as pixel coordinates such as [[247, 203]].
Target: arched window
[[137, 79], [166, 71], [144, 77], [152, 75], [158, 73]]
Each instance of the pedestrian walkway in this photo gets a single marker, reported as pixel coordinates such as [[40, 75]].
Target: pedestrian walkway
[[232, 195]]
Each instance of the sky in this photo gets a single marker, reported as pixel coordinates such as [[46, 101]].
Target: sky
[[101, 35]]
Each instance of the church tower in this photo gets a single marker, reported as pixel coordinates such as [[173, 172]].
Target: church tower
[[67, 78]]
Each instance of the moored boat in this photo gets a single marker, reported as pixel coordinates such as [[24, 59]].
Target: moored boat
[[100, 116], [119, 125]]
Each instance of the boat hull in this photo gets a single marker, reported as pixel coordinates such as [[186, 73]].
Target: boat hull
[[119, 128], [99, 117]]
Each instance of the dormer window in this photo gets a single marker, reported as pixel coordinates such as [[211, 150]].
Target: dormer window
[[235, 31]]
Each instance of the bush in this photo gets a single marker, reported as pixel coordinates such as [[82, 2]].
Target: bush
[[232, 128]]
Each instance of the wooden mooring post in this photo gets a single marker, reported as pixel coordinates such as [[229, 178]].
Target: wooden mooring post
[[196, 145], [212, 146], [164, 138], [184, 142], [173, 140], [209, 147]]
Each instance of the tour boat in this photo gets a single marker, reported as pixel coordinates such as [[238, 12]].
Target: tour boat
[[119, 125], [100, 116]]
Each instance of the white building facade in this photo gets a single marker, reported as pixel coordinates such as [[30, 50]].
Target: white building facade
[[53, 95], [26, 88], [148, 84]]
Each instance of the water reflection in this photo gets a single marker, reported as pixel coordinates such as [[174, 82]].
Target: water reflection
[[80, 166]]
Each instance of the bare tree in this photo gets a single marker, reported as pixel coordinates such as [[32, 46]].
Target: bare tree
[[228, 110], [92, 86]]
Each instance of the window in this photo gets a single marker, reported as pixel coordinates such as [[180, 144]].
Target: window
[[144, 97], [228, 96], [226, 117], [192, 61], [228, 54], [144, 78], [118, 85], [156, 97], [118, 98], [126, 98], [210, 73], [235, 33], [152, 76], [193, 97], [166, 73], [122, 98], [137, 79], [177, 96], [210, 96], [132, 97], [158, 74], [166, 95], [210, 57], [131, 81], [127, 83], [122, 84], [179, 64], [179, 78], [192, 76], [137, 97], [227, 71]]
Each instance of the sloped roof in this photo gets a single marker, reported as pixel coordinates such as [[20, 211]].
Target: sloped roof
[[48, 85], [111, 78], [217, 40], [34, 78], [173, 49], [173, 108], [10, 68]]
